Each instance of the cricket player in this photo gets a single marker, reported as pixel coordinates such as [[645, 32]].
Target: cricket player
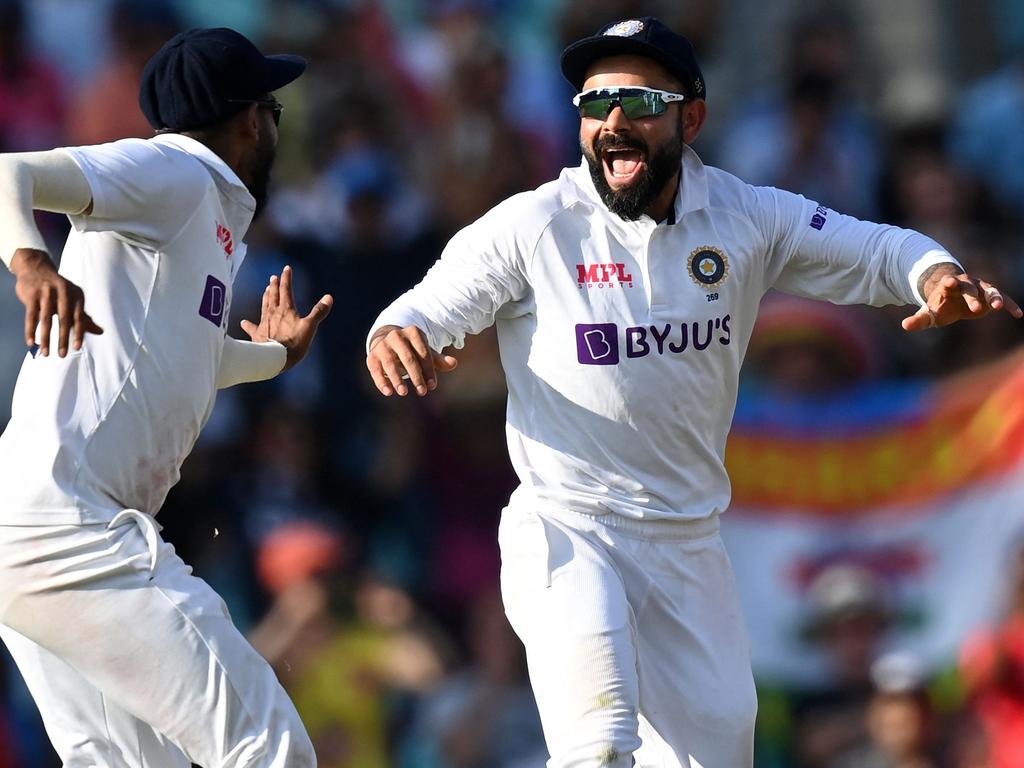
[[132, 660], [624, 294]]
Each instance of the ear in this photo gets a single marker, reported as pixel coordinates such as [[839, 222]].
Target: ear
[[693, 117], [247, 122]]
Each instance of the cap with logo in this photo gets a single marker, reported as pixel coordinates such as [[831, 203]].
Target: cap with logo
[[202, 76], [644, 36]]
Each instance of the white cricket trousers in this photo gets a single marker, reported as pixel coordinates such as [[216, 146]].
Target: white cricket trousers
[[636, 646], [132, 660]]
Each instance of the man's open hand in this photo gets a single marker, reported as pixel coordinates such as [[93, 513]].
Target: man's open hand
[[952, 295], [402, 353], [281, 322], [46, 293]]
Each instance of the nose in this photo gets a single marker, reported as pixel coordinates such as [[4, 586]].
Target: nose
[[616, 121]]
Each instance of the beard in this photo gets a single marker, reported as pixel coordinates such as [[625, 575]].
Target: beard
[[263, 162], [630, 202]]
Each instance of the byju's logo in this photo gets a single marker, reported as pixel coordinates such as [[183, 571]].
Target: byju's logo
[[214, 301], [597, 343], [603, 276]]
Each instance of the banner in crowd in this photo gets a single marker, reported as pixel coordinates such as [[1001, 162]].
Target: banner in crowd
[[919, 485]]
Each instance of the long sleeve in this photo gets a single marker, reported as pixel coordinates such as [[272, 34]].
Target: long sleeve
[[245, 361], [481, 270], [48, 181], [822, 254]]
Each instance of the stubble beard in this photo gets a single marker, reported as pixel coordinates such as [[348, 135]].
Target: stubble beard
[[263, 163], [630, 203]]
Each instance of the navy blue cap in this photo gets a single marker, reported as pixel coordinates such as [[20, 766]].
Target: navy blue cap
[[204, 75], [643, 36]]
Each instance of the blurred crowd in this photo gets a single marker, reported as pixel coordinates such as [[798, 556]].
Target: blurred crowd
[[354, 537]]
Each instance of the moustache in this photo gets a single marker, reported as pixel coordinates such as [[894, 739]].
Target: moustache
[[615, 141]]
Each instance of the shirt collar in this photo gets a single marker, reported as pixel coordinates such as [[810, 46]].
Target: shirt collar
[[228, 183], [692, 194]]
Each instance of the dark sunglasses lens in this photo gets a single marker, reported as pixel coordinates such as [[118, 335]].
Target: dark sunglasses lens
[[642, 105], [597, 108]]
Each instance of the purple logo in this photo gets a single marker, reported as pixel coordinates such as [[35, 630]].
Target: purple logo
[[818, 219], [597, 344], [214, 301]]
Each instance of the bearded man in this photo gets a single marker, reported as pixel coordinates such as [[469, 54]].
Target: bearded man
[[624, 294]]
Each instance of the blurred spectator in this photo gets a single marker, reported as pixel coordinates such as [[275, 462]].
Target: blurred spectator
[[926, 191], [992, 665], [480, 156], [900, 722], [988, 132], [803, 348], [345, 669], [31, 103], [484, 716], [106, 108], [810, 138], [848, 619]]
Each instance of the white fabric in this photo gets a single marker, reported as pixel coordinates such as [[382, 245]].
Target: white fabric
[[48, 181], [108, 427], [621, 391], [132, 660], [245, 361], [634, 637]]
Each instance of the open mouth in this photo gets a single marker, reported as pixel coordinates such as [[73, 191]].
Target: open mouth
[[623, 166]]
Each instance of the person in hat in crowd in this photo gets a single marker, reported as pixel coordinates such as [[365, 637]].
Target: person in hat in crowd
[[624, 294], [901, 725], [848, 620], [132, 660]]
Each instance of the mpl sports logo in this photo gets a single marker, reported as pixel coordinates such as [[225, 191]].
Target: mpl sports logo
[[603, 276], [601, 344], [226, 240]]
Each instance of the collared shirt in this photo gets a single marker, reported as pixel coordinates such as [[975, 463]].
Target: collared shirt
[[622, 340], [107, 428]]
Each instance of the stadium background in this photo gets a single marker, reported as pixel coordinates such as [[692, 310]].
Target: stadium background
[[353, 537]]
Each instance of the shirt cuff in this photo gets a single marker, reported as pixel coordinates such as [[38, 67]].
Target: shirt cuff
[[930, 259], [244, 361]]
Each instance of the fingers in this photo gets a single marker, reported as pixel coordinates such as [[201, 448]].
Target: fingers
[[320, 310], [250, 328], [444, 363], [79, 325], [998, 300], [265, 304], [286, 299], [273, 294], [399, 355], [379, 379], [31, 321], [64, 320], [969, 290], [1012, 307], [921, 320], [46, 307]]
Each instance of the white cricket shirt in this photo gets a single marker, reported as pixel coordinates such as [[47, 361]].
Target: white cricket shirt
[[107, 428], [622, 341]]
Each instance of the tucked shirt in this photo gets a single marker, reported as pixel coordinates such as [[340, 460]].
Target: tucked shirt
[[108, 427], [622, 340]]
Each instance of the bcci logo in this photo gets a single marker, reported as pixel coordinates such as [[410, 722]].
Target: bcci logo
[[708, 266], [625, 28]]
